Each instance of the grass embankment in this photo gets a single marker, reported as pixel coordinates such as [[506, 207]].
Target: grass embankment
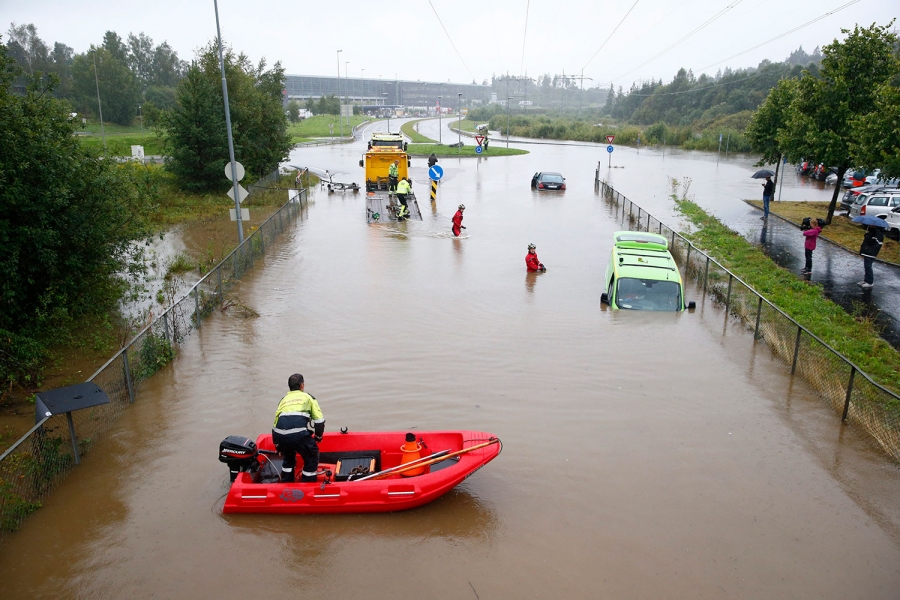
[[467, 151], [120, 139], [318, 127], [855, 338], [409, 130], [841, 231]]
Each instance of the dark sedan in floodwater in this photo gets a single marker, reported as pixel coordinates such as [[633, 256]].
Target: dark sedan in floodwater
[[548, 181]]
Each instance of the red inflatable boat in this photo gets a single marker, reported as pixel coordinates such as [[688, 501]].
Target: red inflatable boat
[[358, 472]]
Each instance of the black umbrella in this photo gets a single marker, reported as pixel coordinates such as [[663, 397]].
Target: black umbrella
[[763, 173]]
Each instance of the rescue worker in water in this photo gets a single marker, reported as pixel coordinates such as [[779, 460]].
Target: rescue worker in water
[[532, 261], [457, 220], [299, 424], [403, 189], [393, 174]]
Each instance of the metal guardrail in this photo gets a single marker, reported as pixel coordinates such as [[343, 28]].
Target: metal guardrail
[[39, 460], [850, 391]]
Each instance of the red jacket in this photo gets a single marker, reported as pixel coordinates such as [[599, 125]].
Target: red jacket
[[532, 262], [457, 223]]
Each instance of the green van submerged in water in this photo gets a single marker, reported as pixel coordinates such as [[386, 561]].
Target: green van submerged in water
[[642, 275]]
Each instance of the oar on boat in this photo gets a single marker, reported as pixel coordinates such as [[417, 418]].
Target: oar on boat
[[428, 460]]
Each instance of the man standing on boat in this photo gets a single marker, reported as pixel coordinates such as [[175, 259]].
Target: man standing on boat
[[299, 424]]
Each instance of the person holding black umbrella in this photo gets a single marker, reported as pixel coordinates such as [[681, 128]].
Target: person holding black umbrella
[[871, 246], [768, 192]]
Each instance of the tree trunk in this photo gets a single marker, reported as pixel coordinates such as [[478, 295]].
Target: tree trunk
[[834, 197], [777, 165]]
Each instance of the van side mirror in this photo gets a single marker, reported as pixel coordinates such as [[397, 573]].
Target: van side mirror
[[360, 162], [604, 298]]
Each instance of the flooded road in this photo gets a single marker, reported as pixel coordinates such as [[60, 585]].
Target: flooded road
[[645, 455]]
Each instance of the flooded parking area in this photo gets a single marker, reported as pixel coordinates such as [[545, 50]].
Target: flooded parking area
[[646, 455]]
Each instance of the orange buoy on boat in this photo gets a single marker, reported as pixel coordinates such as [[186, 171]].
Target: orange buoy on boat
[[411, 451]]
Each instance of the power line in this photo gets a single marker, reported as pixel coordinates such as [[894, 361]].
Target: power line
[[799, 27], [450, 39], [610, 35], [691, 34], [524, 36]]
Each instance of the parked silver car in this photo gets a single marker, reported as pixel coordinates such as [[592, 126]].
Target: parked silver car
[[874, 204], [893, 221]]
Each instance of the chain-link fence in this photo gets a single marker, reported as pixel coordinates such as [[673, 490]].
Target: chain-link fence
[[850, 391], [32, 467]]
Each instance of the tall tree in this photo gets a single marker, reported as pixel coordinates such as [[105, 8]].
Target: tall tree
[[140, 58], [27, 48], [819, 125], [196, 141]]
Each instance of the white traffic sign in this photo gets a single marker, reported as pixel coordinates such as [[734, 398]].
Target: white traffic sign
[[242, 193], [610, 138], [238, 166], [245, 214]]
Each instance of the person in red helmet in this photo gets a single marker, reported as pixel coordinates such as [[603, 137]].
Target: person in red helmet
[[457, 220], [532, 261]]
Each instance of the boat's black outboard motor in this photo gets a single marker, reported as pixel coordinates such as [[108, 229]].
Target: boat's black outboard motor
[[240, 454]]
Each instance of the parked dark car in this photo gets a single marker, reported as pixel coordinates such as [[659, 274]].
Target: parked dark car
[[548, 181]]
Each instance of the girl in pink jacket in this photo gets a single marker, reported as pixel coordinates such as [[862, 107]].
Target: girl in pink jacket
[[812, 234]]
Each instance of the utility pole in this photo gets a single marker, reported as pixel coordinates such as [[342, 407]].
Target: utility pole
[[346, 92], [459, 121], [439, 119], [234, 177], [100, 106], [339, 92], [508, 99]]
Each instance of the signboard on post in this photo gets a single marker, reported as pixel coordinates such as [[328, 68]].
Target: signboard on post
[[479, 149], [245, 214], [479, 139], [435, 173], [242, 193], [610, 138]]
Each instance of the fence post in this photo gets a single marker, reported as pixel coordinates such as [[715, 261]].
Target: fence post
[[128, 383], [687, 261], [234, 259], [728, 297], [796, 350], [219, 290], [196, 308], [648, 221], [166, 327], [660, 228], [758, 312], [706, 275], [849, 391], [673, 237]]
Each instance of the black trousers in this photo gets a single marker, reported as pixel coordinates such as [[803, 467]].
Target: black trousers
[[291, 445], [392, 183], [402, 199], [808, 259]]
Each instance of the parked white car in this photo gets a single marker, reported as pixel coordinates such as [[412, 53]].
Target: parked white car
[[893, 221], [874, 204]]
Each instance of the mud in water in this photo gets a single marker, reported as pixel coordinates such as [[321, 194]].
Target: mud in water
[[646, 455]]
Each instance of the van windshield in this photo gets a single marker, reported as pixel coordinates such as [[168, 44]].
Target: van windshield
[[648, 294]]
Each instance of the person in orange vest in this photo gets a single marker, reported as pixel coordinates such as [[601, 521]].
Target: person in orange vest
[[457, 220], [532, 261]]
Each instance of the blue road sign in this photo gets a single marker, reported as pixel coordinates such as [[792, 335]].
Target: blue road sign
[[435, 173], [609, 149], [478, 149]]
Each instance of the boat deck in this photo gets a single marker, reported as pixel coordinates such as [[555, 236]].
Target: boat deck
[[381, 207]]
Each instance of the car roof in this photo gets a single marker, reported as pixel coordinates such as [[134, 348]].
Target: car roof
[[542, 173], [643, 255]]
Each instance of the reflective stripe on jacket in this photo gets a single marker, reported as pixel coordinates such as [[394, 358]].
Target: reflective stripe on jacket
[[297, 412]]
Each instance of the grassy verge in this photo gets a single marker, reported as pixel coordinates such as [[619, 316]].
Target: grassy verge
[[469, 151], [841, 231], [318, 127], [855, 338], [409, 130], [120, 139]]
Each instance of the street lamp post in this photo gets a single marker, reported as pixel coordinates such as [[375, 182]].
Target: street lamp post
[[458, 121], [384, 104], [507, 119], [234, 178], [439, 119], [339, 92], [141, 113], [346, 91]]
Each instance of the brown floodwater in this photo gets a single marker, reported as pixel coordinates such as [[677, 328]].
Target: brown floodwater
[[645, 455]]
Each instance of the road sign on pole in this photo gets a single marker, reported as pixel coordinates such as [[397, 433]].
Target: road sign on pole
[[609, 149], [435, 173], [479, 139], [237, 167], [479, 149], [242, 193], [610, 138]]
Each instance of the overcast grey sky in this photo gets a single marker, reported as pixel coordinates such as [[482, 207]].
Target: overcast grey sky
[[406, 39]]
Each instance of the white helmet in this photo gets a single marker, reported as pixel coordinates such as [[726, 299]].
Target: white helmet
[[462, 207]]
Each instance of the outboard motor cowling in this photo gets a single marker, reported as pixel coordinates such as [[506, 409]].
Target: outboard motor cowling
[[240, 454]]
